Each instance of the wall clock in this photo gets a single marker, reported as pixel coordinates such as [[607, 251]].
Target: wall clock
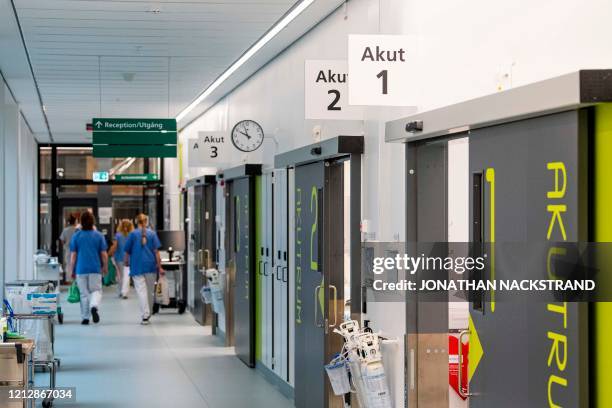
[[247, 135]]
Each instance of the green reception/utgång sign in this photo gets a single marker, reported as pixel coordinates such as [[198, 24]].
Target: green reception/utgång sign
[[128, 137], [131, 125]]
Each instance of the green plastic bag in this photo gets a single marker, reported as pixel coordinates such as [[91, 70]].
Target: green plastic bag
[[109, 279], [74, 295]]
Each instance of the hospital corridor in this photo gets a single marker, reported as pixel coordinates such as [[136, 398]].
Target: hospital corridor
[[305, 204]]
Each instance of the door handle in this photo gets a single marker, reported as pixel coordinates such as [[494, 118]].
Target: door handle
[[285, 275], [265, 263], [207, 259], [199, 259], [412, 369], [460, 367], [259, 267], [335, 300], [276, 272], [316, 308]]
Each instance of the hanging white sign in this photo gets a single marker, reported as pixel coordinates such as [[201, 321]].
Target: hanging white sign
[[383, 70], [326, 91], [209, 149]]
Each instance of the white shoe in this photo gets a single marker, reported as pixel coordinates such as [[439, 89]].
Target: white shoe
[[146, 321]]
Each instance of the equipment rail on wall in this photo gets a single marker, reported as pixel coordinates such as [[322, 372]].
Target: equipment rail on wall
[[203, 180], [567, 92], [244, 170], [324, 150]]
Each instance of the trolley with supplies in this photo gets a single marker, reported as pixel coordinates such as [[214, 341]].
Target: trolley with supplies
[[22, 294], [47, 268], [31, 310], [172, 293], [16, 371], [47, 362]]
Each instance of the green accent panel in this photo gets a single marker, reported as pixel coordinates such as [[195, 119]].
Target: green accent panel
[[134, 151], [603, 233], [137, 177], [133, 124], [258, 261], [134, 138], [314, 209]]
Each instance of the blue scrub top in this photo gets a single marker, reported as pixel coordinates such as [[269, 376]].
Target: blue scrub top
[[88, 245], [120, 251], [142, 257]]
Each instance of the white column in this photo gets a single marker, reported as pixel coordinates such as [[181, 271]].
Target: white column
[[172, 208], [28, 182], [11, 191]]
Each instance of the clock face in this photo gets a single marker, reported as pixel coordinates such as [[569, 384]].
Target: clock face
[[247, 135]]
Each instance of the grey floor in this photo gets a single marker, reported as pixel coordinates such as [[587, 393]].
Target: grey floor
[[174, 362]]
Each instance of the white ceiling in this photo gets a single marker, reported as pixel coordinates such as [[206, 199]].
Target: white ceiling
[[132, 58]]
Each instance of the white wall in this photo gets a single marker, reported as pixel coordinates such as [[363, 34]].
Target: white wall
[[466, 50], [465, 45], [19, 170]]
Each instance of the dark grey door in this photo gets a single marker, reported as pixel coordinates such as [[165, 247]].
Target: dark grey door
[[427, 313], [319, 278], [198, 235], [309, 301], [242, 195], [209, 243], [515, 166]]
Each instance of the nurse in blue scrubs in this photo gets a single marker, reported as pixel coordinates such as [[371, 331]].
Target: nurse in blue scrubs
[[90, 262], [143, 259], [117, 252]]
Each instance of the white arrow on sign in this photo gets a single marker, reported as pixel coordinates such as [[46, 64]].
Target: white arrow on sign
[[98, 124]]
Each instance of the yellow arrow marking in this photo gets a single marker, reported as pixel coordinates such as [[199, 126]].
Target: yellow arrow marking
[[475, 352]]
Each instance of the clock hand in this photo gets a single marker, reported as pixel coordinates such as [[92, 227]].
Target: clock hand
[[246, 134]]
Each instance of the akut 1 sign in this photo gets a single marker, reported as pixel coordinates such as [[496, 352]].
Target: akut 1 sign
[[382, 70]]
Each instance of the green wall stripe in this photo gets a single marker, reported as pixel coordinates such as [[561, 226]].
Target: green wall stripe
[[258, 277]]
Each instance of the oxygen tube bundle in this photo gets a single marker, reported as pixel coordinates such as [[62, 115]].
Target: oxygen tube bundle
[[358, 368]]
